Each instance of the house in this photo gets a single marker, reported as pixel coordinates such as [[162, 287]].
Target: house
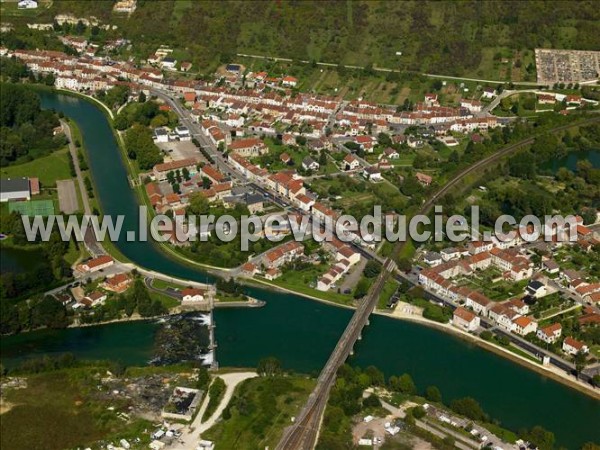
[[249, 147], [478, 302], [390, 153], [351, 163], [118, 283], [286, 159], [346, 253], [551, 266], [524, 325], [160, 135], [95, 264], [272, 274], [160, 171], [189, 295], [432, 258], [283, 254], [96, 298], [249, 269], [185, 66], [189, 98], [168, 62], [183, 133], [471, 105], [14, 189], [372, 173], [550, 333], [488, 93], [425, 180], [310, 164], [518, 305], [465, 319], [572, 346], [34, 186], [536, 289], [288, 139], [27, 4], [289, 81]]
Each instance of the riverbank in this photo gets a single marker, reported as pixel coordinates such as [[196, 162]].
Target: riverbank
[[548, 371]]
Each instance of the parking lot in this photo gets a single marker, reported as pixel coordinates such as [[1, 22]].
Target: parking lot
[[67, 196], [177, 150]]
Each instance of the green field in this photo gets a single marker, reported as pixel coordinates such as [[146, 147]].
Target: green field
[[33, 208], [47, 168], [58, 410], [259, 411]]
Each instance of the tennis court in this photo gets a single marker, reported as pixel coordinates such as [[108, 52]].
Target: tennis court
[[33, 208]]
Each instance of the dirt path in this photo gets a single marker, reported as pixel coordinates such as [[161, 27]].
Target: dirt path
[[191, 436]]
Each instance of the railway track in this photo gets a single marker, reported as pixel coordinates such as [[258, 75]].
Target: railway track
[[303, 434]]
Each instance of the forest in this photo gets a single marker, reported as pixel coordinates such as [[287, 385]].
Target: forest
[[449, 37], [26, 131]]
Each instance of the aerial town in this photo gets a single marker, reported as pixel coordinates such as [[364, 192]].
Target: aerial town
[[203, 336]]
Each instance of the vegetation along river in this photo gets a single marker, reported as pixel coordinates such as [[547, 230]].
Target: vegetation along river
[[302, 332]]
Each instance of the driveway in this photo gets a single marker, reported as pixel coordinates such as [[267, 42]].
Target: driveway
[[190, 437]]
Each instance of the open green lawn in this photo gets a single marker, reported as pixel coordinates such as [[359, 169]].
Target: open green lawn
[[388, 290], [259, 411], [48, 168], [305, 281]]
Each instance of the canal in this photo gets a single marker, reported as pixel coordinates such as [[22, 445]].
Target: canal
[[301, 332]]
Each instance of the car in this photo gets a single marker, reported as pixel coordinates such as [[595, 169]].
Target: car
[[347, 291]]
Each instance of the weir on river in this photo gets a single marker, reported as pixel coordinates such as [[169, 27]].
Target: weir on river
[[302, 333]]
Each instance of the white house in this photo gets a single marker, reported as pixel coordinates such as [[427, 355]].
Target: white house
[[27, 4], [524, 325], [310, 164], [550, 333], [351, 163], [95, 264], [193, 295], [160, 135], [465, 319], [573, 346], [14, 189]]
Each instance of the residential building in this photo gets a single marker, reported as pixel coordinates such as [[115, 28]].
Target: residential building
[[550, 333], [465, 319], [191, 295], [118, 283], [14, 189], [572, 346], [524, 325], [95, 264]]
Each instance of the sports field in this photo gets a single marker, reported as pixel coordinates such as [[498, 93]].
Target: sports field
[[33, 208]]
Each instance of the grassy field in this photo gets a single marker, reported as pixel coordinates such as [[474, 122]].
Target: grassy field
[[48, 168], [388, 290], [260, 409], [304, 281], [58, 410]]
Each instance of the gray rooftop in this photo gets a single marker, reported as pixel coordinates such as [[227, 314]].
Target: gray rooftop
[[14, 184]]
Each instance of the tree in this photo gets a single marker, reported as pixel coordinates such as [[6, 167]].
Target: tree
[[580, 362], [404, 384], [269, 367], [469, 408], [372, 269], [203, 379], [418, 412], [433, 394], [538, 436], [142, 97], [372, 401], [198, 204]]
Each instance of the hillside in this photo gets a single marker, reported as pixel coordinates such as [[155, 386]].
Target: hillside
[[455, 37]]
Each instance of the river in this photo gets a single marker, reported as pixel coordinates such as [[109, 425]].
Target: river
[[301, 332]]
